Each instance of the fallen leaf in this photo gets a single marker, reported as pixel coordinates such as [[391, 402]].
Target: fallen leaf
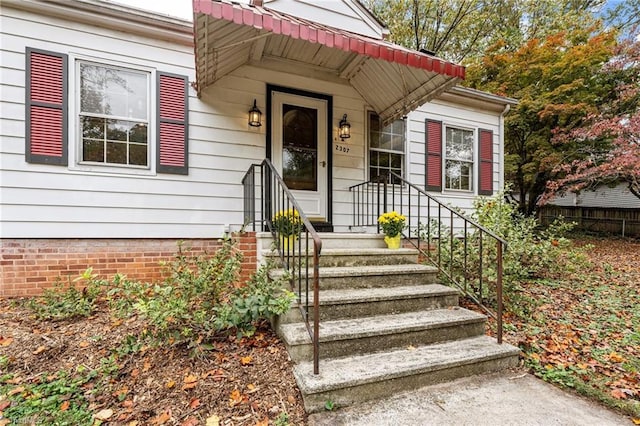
[[5, 341], [235, 398], [190, 382], [246, 360], [263, 422], [291, 399], [161, 418], [103, 414], [133, 423], [615, 357], [4, 404], [636, 421], [170, 384], [213, 421], [618, 394], [4, 422], [64, 406], [84, 344], [40, 350], [190, 421], [411, 348], [195, 402], [135, 373], [146, 366]]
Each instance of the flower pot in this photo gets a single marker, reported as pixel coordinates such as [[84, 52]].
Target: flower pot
[[288, 242], [393, 242]]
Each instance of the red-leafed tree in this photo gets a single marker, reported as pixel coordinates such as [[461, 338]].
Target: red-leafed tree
[[608, 142]]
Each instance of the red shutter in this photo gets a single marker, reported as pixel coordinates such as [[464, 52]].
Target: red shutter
[[485, 166], [172, 129], [46, 107], [433, 161]]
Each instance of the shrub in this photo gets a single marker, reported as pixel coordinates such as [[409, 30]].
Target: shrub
[[532, 253], [200, 298], [66, 302]]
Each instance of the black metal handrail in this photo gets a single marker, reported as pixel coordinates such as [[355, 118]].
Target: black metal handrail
[[457, 245], [293, 244]]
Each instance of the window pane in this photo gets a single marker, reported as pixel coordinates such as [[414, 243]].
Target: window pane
[[117, 130], [374, 141], [396, 161], [93, 150], [92, 128], [116, 153], [138, 133], [138, 155]]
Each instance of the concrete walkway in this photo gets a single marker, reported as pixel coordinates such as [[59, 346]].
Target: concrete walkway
[[506, 398]]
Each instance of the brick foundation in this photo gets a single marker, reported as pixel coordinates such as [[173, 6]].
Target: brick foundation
[[30, 265]]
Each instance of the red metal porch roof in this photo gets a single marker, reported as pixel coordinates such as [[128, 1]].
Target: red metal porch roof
[[392, 78]]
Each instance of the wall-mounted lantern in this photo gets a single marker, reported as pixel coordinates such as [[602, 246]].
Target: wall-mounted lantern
[[344, 128], [255, 116]]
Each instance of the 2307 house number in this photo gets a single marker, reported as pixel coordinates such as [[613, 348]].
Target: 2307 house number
[[341, 148]]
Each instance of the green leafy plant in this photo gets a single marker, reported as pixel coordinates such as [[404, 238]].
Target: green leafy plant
[[329, 405], [282, 419], [68, 301], [61, 398], [261, 298]]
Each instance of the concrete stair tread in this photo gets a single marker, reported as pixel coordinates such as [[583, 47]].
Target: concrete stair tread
[[345, 372], [369, 270], [346, 329], [368, 251], [359, 295]]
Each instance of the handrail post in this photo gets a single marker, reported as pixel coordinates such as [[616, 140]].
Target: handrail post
[[499, 290]]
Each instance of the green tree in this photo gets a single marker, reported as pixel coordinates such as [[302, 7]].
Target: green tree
[[462, 29]]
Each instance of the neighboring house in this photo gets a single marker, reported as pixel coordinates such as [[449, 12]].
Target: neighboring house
[[611, 209], [124, 131]]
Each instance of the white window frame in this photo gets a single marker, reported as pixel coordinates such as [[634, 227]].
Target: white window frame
[[473, 162], [74, 125], [404, 170]]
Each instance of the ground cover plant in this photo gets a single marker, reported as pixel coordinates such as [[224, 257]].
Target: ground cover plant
[[195, 349]]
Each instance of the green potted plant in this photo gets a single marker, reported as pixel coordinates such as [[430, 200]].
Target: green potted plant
[[392, 224]]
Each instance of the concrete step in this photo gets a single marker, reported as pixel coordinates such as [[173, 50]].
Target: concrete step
[[342, 257], [333, 240], [383, 332], [354, 303], [348, 380], [371, 276]]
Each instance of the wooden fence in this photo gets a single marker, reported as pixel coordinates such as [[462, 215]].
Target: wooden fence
[[625, 222]]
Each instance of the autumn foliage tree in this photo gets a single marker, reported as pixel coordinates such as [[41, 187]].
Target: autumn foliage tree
[[555, 80], [609, 138]]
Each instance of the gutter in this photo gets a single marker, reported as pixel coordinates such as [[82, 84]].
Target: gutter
[[109, 15]]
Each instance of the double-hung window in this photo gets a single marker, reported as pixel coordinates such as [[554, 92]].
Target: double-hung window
[[386, 147], [459, 159], [114, 112], [114, 115]]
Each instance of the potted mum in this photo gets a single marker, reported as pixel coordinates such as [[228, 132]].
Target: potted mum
[[392, 224], [288, 225]]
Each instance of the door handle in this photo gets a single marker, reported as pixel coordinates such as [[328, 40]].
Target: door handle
[[323, 163]]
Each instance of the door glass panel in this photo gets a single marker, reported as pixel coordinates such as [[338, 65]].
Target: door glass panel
[[300, 147]]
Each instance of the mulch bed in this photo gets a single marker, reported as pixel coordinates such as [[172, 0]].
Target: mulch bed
[[246, 381]]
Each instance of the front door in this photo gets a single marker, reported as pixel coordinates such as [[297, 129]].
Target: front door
[[299, 149]]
